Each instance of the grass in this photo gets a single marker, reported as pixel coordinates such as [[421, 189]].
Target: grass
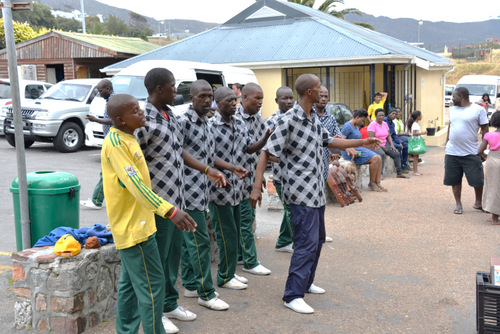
[[480, 68]]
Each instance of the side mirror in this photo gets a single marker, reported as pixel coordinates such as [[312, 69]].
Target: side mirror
[[178, 100]]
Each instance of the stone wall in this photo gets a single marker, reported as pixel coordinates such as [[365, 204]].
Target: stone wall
[[65, 294]]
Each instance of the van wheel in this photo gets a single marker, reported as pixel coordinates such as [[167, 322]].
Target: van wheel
[[11, 139], [69, 138]]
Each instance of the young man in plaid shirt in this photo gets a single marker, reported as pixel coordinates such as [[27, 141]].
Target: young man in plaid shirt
[[285, 101], [231, 144], [298, 141], [248, 113], [161, 141], [196, 248]]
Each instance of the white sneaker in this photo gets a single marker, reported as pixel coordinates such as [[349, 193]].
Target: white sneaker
[[328, 239], [315, 289], [234, 284], [287, 249], [299, 306], [240, 262], [215, 304], [259, 270], [190, 293], [169, 326], [180, 313], [90, 205], [241, 279]]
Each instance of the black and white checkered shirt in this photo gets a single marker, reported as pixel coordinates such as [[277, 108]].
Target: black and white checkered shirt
[[271, 123], [161, 142], [199, 141], [230, 145], [256, 130], [298, 142]]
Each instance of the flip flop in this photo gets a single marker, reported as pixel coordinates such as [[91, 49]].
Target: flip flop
[[382, 189], [457, 211], [373, 188], [480, 208]]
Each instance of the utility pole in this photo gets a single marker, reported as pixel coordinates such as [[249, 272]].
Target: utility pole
[[7, 7], [83, 17]]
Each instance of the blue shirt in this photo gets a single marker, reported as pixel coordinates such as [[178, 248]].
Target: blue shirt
[[392, 130]]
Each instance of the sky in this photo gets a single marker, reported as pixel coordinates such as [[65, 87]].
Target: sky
[[219, 11]]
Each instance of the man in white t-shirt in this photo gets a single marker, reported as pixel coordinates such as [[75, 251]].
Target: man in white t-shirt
[[461, 157]]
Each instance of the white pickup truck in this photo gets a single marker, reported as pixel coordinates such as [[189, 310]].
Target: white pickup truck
[[58, 116]]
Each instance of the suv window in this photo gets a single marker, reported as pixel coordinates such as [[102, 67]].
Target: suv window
[[5, 90], [67, 91], [33, 91]]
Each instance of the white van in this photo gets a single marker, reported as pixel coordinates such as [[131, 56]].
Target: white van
[[480, 84], [131, 81]]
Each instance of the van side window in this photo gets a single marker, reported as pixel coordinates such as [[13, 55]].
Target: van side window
[[183, 89]]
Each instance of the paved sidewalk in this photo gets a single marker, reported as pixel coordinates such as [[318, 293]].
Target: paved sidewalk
[[400, 262]]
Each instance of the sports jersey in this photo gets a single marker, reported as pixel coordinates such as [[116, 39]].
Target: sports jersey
[[130, 202]]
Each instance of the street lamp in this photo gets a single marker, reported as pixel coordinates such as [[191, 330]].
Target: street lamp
[[419, 25]]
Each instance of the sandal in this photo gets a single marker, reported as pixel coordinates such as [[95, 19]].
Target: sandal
[[383, 189], [373, 186]]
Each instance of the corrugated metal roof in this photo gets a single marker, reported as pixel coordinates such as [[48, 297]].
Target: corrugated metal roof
[[313, 36], [130, 45]]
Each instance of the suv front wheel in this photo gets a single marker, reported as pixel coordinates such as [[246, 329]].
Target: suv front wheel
[[69, 138]]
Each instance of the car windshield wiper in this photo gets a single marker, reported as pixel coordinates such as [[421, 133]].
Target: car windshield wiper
[[71, 99], [50, 98]]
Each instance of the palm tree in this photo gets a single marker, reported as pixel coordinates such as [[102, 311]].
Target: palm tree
[[329, 7]]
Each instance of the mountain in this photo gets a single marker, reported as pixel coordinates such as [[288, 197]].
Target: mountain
[[92, 8], [434, 35]]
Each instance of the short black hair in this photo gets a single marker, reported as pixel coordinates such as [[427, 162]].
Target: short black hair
[[379, 110], [158, 76], [376, 94], [495, 119], [360, 113], [463, 91]]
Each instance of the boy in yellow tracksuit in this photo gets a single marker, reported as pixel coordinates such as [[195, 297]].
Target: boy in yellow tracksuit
[[131, 205]]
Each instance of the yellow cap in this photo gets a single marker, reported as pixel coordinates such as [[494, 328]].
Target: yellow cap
[[67, 246]]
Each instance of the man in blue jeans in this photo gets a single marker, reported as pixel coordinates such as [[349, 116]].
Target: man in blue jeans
[[298, 141], [399, 142]]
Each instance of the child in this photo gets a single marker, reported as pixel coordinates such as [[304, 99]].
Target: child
[[131, 205], [491, 194], [415, 132]]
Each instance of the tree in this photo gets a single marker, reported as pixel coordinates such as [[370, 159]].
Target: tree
[[116, 26], [40, 16], [329, 7], [22, 33]]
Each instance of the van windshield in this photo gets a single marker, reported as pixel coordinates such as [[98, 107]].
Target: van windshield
[[132, 85], [478, 89]]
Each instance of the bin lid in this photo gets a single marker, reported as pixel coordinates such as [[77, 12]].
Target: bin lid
[[47, 183]]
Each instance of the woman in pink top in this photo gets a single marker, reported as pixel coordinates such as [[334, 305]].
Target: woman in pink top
[[491, 192], [380, 130]]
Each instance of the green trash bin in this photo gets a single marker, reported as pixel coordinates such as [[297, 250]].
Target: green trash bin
[[53, 198]]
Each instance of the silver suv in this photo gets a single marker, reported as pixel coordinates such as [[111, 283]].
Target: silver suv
[[58, 116]]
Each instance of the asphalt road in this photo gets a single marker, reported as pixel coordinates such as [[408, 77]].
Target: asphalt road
[[400, 262]]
